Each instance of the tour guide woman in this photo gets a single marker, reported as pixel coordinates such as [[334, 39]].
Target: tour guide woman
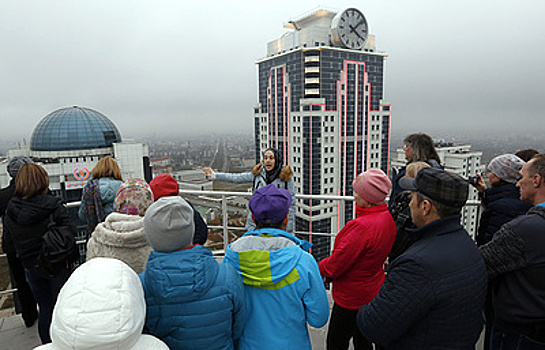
[[275, 173]]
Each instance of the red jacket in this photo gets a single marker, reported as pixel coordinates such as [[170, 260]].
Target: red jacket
[[356, 265]]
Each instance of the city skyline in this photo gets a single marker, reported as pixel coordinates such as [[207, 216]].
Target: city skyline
[[156, 68]]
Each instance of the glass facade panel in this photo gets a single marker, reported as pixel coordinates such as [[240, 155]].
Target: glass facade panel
[[74, 128]]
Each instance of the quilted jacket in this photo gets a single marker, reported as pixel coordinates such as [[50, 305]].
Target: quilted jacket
[[193, 302], [433, 294]]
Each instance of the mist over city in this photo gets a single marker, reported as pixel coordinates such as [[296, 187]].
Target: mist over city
[[178, 69]]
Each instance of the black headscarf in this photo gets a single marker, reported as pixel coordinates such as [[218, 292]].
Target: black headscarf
[[271, 175]]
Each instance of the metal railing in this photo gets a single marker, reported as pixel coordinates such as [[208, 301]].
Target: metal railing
[[223, 197]]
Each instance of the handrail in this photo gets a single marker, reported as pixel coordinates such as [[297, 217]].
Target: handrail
[[226, 228]]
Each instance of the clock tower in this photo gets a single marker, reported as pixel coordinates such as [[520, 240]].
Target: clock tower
[[321, 102]]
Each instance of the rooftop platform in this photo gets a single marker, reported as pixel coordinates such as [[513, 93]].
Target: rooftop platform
[[15, 336]]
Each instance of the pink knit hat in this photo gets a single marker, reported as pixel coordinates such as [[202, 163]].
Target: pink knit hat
[[372, 185]]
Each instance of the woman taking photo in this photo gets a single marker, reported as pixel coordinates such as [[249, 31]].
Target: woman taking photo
[[97, 200], [28, 216], [501, 204], [269, 171], [418, 148]]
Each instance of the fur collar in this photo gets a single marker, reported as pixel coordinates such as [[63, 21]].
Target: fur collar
[[285, 174]]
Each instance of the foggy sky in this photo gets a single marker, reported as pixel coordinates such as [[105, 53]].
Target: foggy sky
[[168, 67]]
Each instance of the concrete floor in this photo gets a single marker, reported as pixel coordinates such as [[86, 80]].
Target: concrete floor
[[15, 336]]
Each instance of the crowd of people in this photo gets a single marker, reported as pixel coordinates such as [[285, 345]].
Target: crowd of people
[[404, 273]]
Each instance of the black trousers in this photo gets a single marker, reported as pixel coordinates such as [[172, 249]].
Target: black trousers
[[23, 298], [342, 328]]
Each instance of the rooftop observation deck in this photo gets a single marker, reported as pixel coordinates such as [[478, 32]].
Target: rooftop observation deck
[[15, 336]]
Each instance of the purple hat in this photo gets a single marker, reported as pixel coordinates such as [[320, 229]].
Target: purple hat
[[270, 204]]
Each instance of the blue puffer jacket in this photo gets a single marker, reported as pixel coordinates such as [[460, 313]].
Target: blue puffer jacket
[[108, 189], [260, 181], [283, 287], [502, 204], [192, 301], [433, 294]]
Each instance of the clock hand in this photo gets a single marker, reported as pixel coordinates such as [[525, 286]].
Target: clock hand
[[353, 30], [357, 25]]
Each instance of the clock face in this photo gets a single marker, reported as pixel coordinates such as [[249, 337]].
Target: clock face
[[350, 29]]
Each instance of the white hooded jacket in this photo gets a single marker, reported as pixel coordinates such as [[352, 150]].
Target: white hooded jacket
[[101, 306]]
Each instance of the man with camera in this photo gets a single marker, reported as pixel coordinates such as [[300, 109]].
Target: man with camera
[[515, 260]]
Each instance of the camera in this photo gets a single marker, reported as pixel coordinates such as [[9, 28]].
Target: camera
[[473, 180]]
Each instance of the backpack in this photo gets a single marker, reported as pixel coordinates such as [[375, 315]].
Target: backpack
[[58, 247]]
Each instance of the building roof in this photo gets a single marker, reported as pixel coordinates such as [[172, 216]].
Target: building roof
[[74, 128]]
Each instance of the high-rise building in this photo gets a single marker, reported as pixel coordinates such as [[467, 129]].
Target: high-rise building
[[462, 160], [321, 90]]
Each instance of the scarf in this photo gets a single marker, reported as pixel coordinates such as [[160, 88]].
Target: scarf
[[93, 204], [271, 175]]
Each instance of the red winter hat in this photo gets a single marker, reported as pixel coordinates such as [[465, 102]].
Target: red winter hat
[[372, 185], [164, 185]]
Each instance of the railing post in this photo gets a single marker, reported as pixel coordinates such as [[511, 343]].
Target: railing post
[[225, 220], [342, 217]]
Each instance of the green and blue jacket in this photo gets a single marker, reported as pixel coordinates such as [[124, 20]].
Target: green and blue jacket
[[283, 289]]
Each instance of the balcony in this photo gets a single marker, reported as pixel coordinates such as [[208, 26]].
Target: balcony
[[15, 336]]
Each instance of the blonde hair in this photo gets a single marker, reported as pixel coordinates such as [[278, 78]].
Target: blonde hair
[[31, 181], [107, 167], [414, 168]]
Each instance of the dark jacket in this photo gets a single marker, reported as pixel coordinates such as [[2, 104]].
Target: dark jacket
[[201, 228], [5, 195], [515, 259], [433, 294], [402, 217], [27, 221], [502, 204], [396, 176]]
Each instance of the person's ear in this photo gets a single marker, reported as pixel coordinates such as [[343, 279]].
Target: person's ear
[[537, 180], [285, 222], [426, 206]]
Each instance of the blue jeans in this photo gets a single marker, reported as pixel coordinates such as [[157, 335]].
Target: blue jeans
[[503, 339], [45, 289]]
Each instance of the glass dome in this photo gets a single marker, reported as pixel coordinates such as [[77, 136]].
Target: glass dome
[[74, 128]]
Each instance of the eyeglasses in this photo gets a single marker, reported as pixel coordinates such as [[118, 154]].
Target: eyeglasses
[[406, 146]]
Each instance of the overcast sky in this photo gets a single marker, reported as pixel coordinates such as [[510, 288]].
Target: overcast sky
[[179, 67]]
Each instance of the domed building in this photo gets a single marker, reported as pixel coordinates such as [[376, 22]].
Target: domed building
[[70, 141], [74, 128]]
